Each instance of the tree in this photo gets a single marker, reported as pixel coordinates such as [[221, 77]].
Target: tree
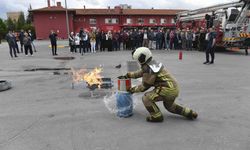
[[3, 29], [29, 19], [20, 21], [10, 24]]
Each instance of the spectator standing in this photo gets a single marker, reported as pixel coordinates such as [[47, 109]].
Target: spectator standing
[[172, 39], [145, 39], [31, 35], [27, 44], [167, 39], [109, 40], [210, 46], [72, 43], [201, 41], [159, 37], [120, 40], [183, 39], [21, 36], [129, 42], [189, 37], [141, 36], [178, 36], [88, 47], [10, 38], [115, 41], [150, 39], [176, 40], [53, 41], [93, 41], [83, 41], [197, 34], [16, 41], [103, 41], [98, 39], [125, 40], [136, 36], [193, 39], [132, 39]]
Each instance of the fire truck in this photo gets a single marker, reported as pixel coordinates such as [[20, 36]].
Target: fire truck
[[230, 21]]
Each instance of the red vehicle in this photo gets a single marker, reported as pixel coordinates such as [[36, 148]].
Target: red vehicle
[[229, 20]]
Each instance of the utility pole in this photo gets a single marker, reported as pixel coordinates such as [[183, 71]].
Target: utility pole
[[67, 18]]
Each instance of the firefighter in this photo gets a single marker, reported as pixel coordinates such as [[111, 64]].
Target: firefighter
[[165, 87]]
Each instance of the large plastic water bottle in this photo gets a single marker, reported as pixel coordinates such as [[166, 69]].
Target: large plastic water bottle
[[124, 103]]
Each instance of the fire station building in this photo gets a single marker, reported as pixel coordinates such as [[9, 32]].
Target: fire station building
[[117, 18]]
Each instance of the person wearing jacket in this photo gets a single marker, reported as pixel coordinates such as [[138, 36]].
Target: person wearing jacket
[[150, 39], [145, 38], [21, 36], [53, 41], [10, 38], [166, 89], [72, 43], [27, 44], [103, 44], [93, 41], [109, 38], [211, 40], [31, 35], [16, 41]]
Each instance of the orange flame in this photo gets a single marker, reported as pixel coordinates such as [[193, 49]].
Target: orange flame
[[92, 78]]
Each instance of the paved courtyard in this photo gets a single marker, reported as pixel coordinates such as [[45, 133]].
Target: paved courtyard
[[43, 112]]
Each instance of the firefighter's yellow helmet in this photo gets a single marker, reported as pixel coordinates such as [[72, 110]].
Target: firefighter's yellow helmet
[[142, 55]]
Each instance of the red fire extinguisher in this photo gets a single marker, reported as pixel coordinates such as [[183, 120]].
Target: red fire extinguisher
[[180, 55]]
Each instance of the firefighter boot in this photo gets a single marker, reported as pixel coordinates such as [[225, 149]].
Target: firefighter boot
[[155, 114], [192, 115], [152, 108], [153, 119], [177, 109]]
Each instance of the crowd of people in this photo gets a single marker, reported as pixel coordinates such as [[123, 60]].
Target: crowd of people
[[90, 41], [25, 38], [170, 39]]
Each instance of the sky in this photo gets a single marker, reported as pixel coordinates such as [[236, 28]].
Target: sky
[[23, 5]]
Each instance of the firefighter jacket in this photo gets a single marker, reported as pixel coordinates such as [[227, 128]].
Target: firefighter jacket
[[153, 75]]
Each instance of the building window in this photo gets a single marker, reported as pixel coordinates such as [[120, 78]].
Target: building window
[[172, 20], [115, 21], [129, 21], [163, 21], [140, 21], [51, 17], [152, 21], [111, 21], [108, 21], [92, 21]]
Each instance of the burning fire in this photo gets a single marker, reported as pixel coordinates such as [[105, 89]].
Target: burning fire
[[92, 78]]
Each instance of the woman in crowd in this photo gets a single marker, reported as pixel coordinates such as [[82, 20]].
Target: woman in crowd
[[27, 44], [72, 42], [93, 41], [109, 40]]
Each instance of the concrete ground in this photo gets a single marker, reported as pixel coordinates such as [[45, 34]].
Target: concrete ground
[[43, 112]]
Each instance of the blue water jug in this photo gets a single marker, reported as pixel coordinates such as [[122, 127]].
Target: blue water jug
[[124, 103]]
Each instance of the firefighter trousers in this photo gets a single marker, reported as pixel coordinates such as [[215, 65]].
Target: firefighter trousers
[[168, 96]]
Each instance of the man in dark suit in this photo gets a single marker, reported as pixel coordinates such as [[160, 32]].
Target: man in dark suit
[[53, 40]]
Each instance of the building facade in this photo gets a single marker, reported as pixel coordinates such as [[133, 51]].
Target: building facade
[[14, 16], [117, 18]]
